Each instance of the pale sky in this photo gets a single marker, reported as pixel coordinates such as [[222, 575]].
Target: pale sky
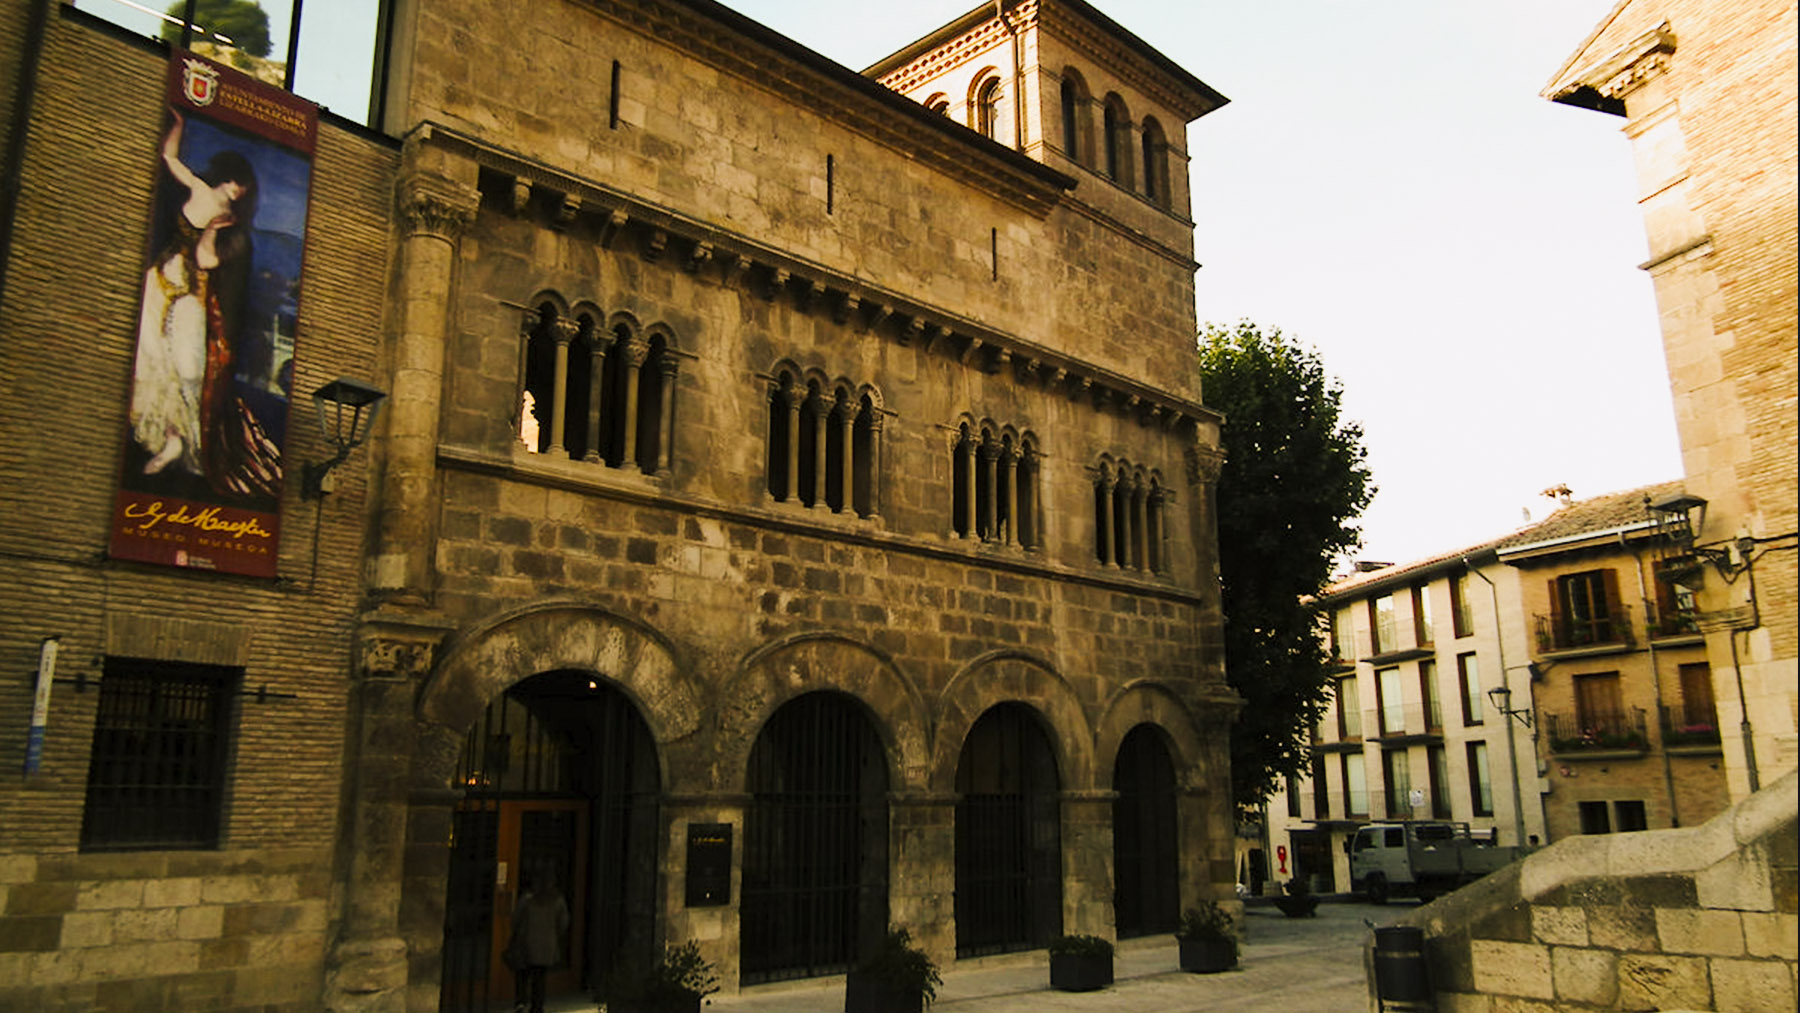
[[1385, 185]]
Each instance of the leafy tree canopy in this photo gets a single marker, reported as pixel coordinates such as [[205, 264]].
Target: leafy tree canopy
[[244, 22], [1295, 481]]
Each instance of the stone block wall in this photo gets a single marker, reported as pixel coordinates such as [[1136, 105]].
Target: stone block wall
[[1702, 918]]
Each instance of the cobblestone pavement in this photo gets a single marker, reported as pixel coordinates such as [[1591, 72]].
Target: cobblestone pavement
[[1288, 965]]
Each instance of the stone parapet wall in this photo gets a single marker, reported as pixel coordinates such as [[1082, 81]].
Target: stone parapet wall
[[1695, 919]]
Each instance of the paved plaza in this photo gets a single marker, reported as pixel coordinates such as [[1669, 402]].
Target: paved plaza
[[1291, 965]]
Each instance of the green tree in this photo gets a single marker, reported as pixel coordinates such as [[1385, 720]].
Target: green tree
[[1294, 482], [244, 22]]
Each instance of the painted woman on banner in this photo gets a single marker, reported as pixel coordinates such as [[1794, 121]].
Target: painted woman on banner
[[184, 410]]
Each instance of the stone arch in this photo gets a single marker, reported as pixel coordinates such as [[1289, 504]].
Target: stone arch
[[802, 663], [480, 663], [1145, 701], [986, 93], [1118, 158], [1076, 101], [1013, 676], [627, 320]]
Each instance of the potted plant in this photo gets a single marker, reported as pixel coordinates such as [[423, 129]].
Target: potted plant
[[1207, 941], [1298, 901], [675, 984], [896, 977], [1080, 963]]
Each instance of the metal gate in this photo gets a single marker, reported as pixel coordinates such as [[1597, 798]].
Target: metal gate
[[1008, 836], [815, 841], [1146, 884], [560, 783]]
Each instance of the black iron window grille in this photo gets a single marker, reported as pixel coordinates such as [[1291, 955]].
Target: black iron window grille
[[156, 774]]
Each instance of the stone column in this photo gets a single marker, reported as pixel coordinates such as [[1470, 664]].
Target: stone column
[[1009, 464], [433, 210], [1139, 526], [795, 395], [846, 454], [1153, 531], [990, 455], [922, 883], [635, 350], [368, 967], [821, 423], [1087, 854], [563, 331], [715, 929], [1205, 463], [597, 395], [874, 464], [667, 369], [1104, 522]]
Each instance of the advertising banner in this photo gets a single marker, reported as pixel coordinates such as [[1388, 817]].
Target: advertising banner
[[203, 469]]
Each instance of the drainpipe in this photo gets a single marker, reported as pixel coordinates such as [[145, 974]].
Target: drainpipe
[[1506, 720], [1656, 682]]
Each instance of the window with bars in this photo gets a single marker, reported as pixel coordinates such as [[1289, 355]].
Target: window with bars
[[156, 774], [994, 474], [1130, 507], [824, 447]]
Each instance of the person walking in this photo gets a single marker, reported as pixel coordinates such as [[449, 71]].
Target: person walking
[[540, 924]]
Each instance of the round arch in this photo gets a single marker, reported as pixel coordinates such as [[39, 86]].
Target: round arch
[[1145, 701], [1013, 676], [791, 666], [486, 659]]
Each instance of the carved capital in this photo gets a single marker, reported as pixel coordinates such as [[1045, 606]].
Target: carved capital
[[529, 320], [394, 658], [1204, 464], [636, 350], [433, 206], [563, 330]]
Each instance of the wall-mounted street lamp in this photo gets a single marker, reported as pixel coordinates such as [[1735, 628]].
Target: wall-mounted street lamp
[[1501, 697], [347, 410]]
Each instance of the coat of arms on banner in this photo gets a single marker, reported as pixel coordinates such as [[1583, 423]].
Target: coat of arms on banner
[[200, 81]]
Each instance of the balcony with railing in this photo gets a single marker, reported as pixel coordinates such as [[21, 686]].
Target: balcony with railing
[[1667, 624], [1585, 634], [1598, 736], [1688, 733]]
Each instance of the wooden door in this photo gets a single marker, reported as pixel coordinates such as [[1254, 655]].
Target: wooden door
[[547, 841]]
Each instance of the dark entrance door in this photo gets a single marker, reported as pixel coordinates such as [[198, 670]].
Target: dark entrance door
[[815, 841], [1312, 859], [1146, 884], [560, 784], [1008, 836]]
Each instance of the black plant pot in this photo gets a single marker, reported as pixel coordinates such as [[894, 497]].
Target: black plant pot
[[864, 993], [1207, 956], [1302, 906], [1079, 972]]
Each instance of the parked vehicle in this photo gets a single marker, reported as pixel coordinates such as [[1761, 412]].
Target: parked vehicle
[[1423, 859]]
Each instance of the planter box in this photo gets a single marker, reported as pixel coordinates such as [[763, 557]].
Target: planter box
[[1074, 972], [1206, 956], [865, 994]]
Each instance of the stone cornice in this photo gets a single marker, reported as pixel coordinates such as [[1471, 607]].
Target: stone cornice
[[1617, 75], [742, 48], [1132, 66], [620, 219]]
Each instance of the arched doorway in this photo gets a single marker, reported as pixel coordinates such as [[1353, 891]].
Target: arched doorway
[[1146, 890], [560, 784], [815, 841], [1008, 836]]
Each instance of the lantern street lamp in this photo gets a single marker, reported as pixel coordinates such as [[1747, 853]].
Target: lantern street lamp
[[347, 410]]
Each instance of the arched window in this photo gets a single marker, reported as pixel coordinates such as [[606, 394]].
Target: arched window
[[1128, 517], [939, 103], [994, 496], [985, 109], [1077, 144], [1117, 127], [1156, 163], [605, 396], [1008, 892], [824, 446]]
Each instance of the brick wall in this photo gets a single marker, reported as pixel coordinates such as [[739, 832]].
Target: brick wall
[[243, 926]]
